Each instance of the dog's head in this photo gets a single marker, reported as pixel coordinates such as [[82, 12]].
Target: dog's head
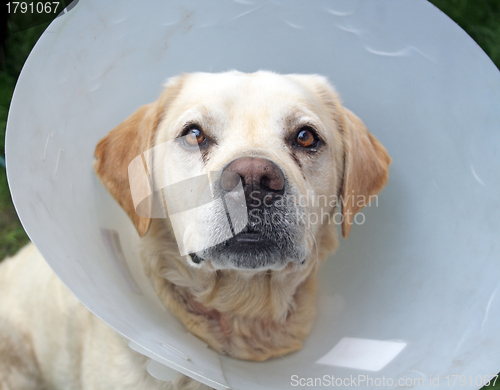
[[249, 166]]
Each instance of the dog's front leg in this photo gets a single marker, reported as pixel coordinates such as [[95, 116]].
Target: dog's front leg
[[18, 367]]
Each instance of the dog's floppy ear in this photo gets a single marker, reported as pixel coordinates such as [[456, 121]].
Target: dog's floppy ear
[[125, 142], [366, 169]]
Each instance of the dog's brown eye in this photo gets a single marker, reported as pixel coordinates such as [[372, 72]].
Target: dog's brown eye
[[194, 136], [306, 138]]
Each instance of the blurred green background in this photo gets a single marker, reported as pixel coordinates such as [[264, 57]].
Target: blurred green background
[[19, 33]]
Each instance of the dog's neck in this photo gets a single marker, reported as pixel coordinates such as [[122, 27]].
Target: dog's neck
[[246, 314]]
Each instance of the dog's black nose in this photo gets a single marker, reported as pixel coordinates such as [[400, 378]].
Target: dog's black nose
[[260, 178]]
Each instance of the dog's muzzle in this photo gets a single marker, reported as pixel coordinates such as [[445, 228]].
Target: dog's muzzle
[[269, 240]]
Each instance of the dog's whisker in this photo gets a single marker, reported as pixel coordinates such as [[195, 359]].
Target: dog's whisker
[[315, 242]]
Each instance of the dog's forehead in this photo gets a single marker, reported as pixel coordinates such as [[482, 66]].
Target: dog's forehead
[[236, 93]]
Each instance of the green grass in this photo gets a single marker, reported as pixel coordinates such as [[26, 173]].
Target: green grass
[[12, 235], [481, 20], [18, 47]]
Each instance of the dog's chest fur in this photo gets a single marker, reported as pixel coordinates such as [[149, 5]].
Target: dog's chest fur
[[252, 316]]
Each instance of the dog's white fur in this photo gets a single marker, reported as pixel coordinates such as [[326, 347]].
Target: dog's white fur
[[48, 339]]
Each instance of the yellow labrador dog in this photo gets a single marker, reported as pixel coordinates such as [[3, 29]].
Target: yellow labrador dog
[[281, 144]]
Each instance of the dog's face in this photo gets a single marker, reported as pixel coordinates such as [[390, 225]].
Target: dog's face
[[259, 162], [274, 134]]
